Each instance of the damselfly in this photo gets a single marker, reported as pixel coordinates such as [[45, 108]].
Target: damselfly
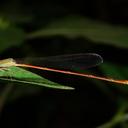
[[65, 64]]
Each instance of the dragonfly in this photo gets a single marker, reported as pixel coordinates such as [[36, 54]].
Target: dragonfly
[[65, 64]]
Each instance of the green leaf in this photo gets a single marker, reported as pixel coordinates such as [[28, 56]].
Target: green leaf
[[76, 26], [20, 75], [10, 35]]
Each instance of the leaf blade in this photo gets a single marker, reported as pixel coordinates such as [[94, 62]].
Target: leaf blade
[[24, 76]]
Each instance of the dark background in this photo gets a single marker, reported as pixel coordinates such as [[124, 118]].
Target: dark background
[[30, 29]]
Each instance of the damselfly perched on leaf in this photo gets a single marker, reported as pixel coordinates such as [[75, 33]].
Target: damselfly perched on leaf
[[65, 64]]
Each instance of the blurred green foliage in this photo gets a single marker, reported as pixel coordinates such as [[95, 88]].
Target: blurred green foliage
[[78, 26]]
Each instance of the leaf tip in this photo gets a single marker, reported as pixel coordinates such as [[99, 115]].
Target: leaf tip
[[67, 88]]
